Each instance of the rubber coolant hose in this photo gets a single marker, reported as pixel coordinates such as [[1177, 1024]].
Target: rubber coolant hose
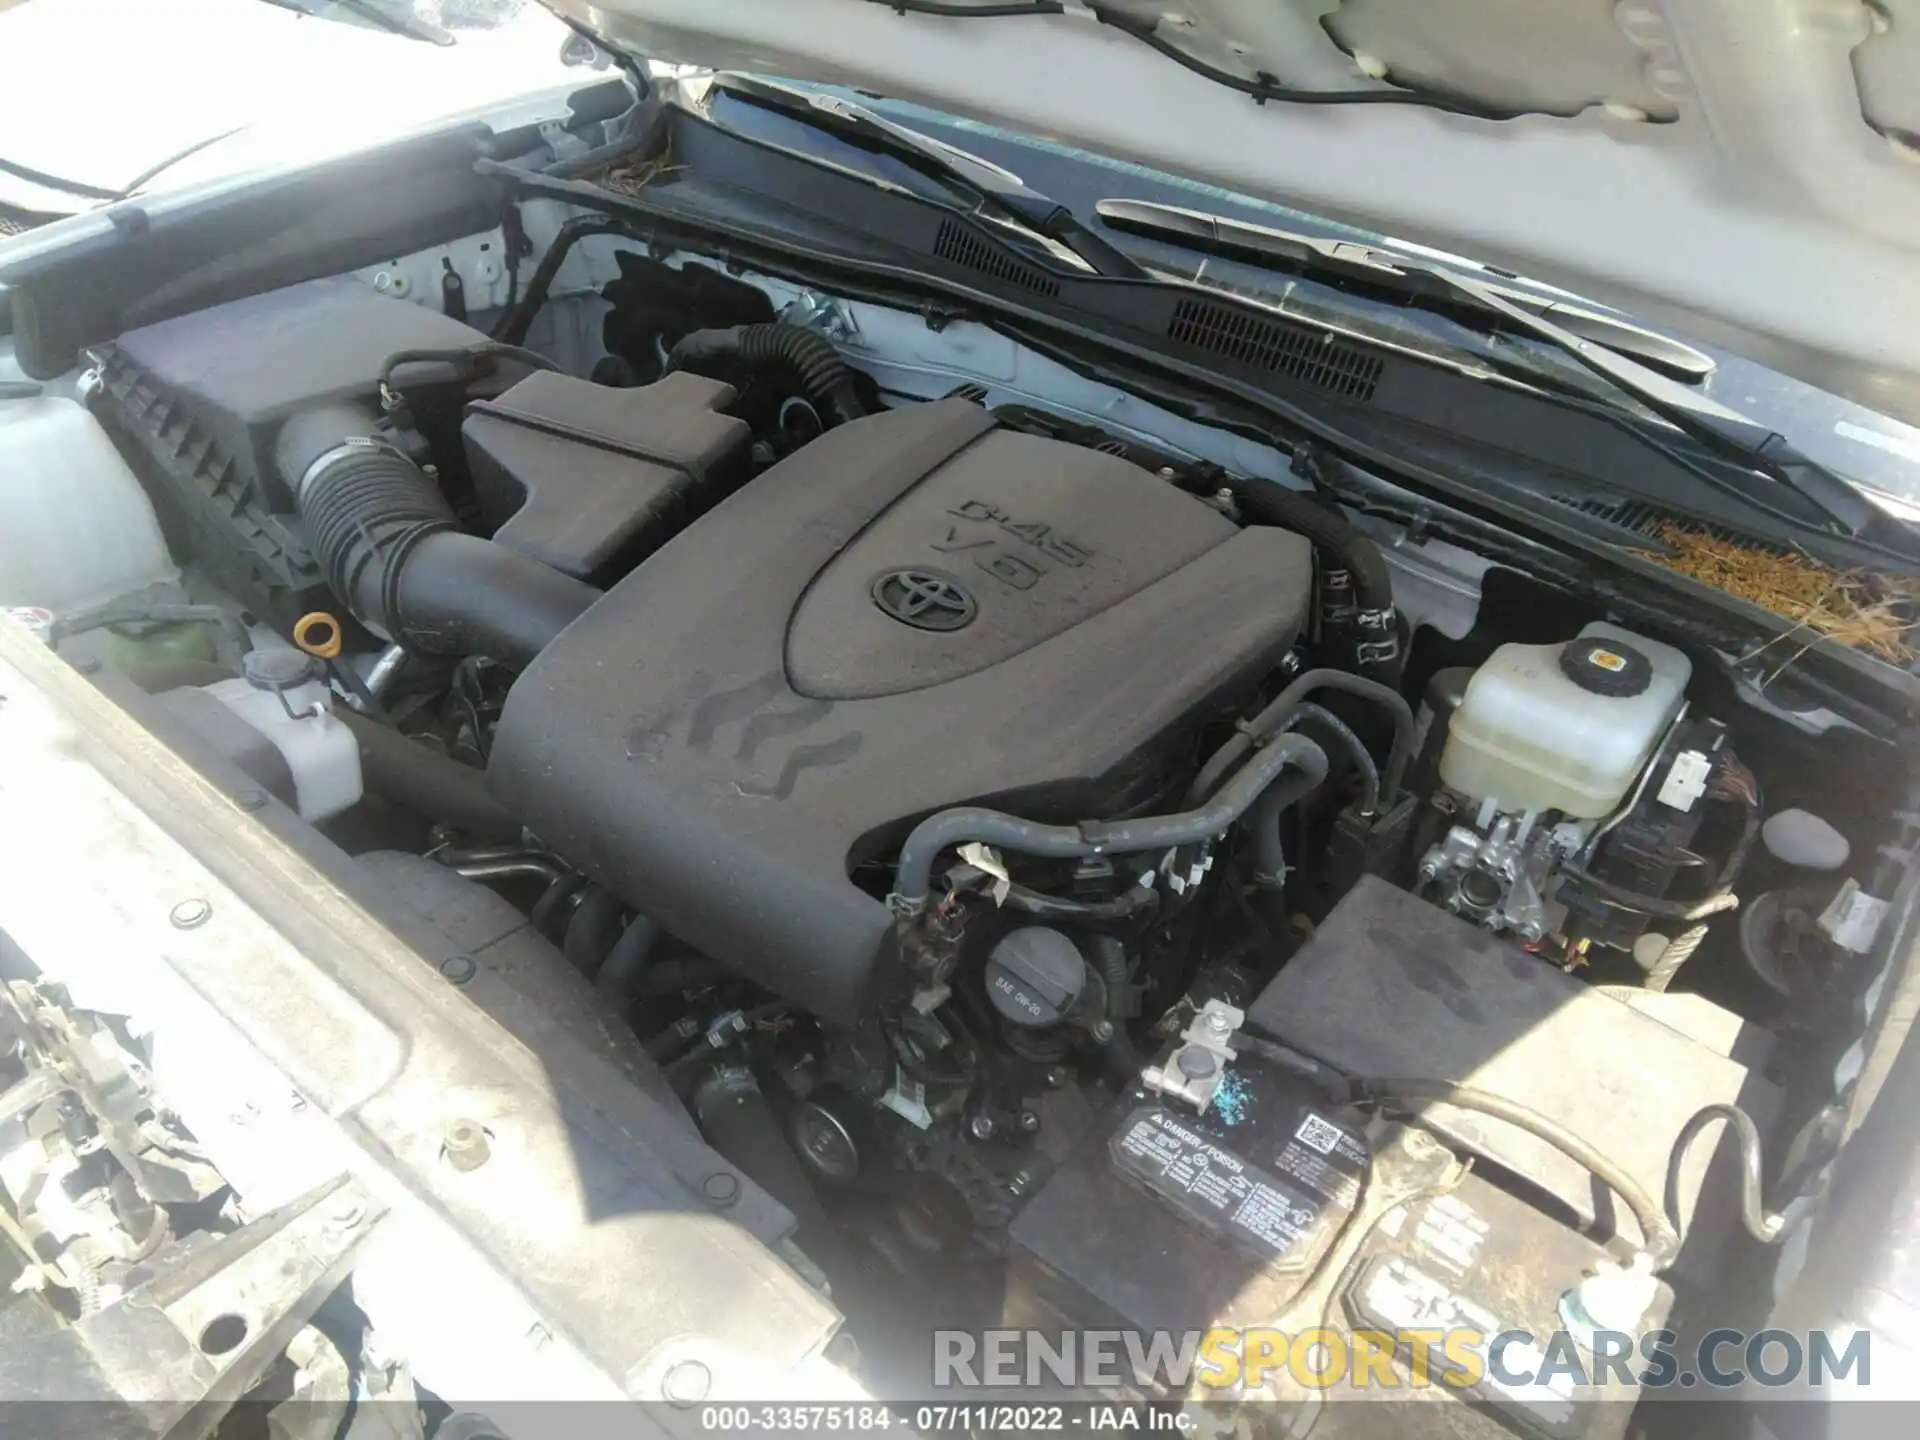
[[1269, 721], [592, 931], [824, 378], [627, 960], [1351, 561], [913, 874], [1270, 858], [1352, 743]]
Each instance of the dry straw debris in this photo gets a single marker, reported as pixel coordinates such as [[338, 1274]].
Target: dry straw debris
[[1863, 609], [630, 177]]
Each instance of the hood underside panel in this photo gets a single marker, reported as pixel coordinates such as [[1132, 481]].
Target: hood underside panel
[[1745, 171]]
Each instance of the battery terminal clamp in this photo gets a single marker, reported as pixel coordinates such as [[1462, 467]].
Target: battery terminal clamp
[[1196, 1067]]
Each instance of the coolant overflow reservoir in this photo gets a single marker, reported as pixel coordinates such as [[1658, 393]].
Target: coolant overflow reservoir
[[1564, 727], [283, 696]]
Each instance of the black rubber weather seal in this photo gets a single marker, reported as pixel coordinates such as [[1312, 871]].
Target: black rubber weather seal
[[958, 10]]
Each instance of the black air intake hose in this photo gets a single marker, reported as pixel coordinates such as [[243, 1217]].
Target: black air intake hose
[[822, 375], [435, 785], [1356, 588], [394, 555]]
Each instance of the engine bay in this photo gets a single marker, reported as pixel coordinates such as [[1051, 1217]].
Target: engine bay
[[1057, 868]]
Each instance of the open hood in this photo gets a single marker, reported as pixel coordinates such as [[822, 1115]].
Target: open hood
[[1746, 172]]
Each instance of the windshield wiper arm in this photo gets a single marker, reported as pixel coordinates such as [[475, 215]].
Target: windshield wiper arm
[[1725, 433], [1728, 433], [998, 188], [133, 186], [1368, 267]]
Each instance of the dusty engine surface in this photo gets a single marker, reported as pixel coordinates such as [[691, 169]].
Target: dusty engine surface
[[1389, 987], [1013, 848], [915, 611]]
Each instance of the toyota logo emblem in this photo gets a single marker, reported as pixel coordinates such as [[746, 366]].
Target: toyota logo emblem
[[925, 599]]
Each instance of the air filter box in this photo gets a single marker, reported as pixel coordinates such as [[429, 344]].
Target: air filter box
[[198, 401]]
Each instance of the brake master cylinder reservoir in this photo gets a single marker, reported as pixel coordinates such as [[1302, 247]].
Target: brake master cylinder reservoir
[[1564, 727]]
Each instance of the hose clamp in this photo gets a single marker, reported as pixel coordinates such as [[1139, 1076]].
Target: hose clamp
[[1097, 833], [346, 450]]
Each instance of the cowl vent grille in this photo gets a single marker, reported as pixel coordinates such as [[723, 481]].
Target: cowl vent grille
[[1299, 352], [960, 246], [15, 221], [1650, 522]]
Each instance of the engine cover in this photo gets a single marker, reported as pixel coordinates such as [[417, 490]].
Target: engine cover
[[915, 611]]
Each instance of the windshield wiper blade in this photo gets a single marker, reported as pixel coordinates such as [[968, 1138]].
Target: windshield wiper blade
[[400, 22], [394, 22], [1725, 433], [133, 186], [1368, 267], [1000, 189]]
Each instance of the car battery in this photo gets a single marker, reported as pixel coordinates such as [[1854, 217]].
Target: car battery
[[1392, 987], [1276, 1208], [1168, 1218]]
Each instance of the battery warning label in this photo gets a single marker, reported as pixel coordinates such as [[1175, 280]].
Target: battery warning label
[[1215, 1185]]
